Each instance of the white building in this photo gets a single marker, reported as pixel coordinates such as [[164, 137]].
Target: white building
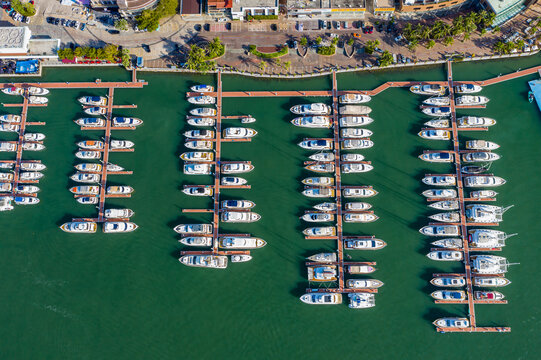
[[241, 9], [14, 40]]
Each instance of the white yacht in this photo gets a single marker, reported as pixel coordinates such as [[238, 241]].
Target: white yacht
[[121, 144], [93, 100], [356, 144], [318, 181], [437, 101], [201, 121], [236, 168], [430, 89], [30, 175], [197, 169], [321, 298], [233, 181], [322, 273], [317, 217], [481, 145], [198, 156], [5, 203], [202, 88], [481, 156], [88, 200], [483, 194], [32, 166], [88, 167], [487, 236], [356, 168], [320, 231], [247, 119], [199, 145], [85, 190], [8, 146], [118, 213], [9, 128], [91, 145], [30, 146], [119, 190], [448, 217], [437, 111], [355, 133], [119, 227], [198, 191], [451, 295], [438, 123], [452, 243], [483, 213], [240, 216], [323, 257], [363, 283], [354, 99], [34, 90], [474, 121], [363, 192], [201, 241], [96, 110], [199, 134], [25, 200], [445, 205], [490, 281], [126, 122], [88, 154], [237, 204], [440, 180], [317, 144], [488, 264], [33, 137], [6, 177], [7, 187], [10, 118], [360, 269], [7, 165], [239, 133], [360, 218], [37, 100], [204, 229], [467, 89], [13, 91], [311, 109], [440, 230], [326, 206], [90, 122], [452, 322], [435, 134], [488, 295], [357, 206], [80, 227], [239, 242], [240, 258], [361, 300], [322, 156], [449, 281], [445, 255], [202, 100], [470, 100], [86, 178], [439, 157], [364, 244], [203, 112], [352, 157], [352, 121], [483, 181], [206, 261], [312, 122]]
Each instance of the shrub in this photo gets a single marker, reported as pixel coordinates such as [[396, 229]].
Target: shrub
[[198, 61], [326, 50], [109, 52], [25, 9], [371, 46], [283, 51], [385, 59], [121, 24], [351, 41], [261, 17], [215, 49], [150, 19]]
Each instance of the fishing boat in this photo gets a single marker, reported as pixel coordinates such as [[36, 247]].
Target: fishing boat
[[445, 205], [320, 231], [355, 133], [437, 111], [197, 156], [30, 175], [201, 100], [474, 121], [199, 145], [240, 258], [487, 238], [311, 109], [321, 298], [237, 204], [322, 273], [240, 216], [5, 203], [110, 227], [321, 168], [488, 295], [438, 123], [13, 91], [239, 242], [323, 257], [85, 190], [205, 229], [236, 168], [438, 157], [435, 134], [354, 110], [126, 122], [88, 154], [117, 190], [318, 144], [93, 100], [449, 217], [91, 145], [469, 100], [8, 146], [360, 269], [322, 156], [361, 301], [452, 322], [356, 144], [312, 122], [363, 192], [247, 120], [6, 177], [239, 133], [96, 110], [33, 137], [486, 281], [453, 295], [202, 88], [25, 200], [88, 167], [317, 217], [121, 144], [86, 178], [467, 89], [203, 112], [80, 227], [326, 206], [363, 283], [197, 169], [481, 156], [9, 128], [481, 145], [201, 122], [199, 134], [437, 101], [440, 230], [118, 213], [88, 200], [10, 118], [90, 122], [354, 99], [482, 181], [360, 218], [352, 157], [357, 206], [474, 169], [439, 180], [201, 241], [449, 281], [431, 89], [364, 244], [445, 255], [205, 261], [233, 181], [352, 121], [483, 194], [6, 187], [318, 181], [198, 191], [488, 264], [32, 166], [38, 100]]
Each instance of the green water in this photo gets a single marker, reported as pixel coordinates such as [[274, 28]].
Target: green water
[[127, 297]]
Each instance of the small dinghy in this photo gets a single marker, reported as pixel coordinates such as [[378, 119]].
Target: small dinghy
[[199, 145], [438, 123], [33, 137], [25, 200], [32, 166], [198, 191], [435, 134], [449, 217], [203, 112], [323, 257], [445, 205], [352, 121], [355, 133], [445, 255], [482, 156], [10, 118], [96, 110], [438, 157], [90, 122], [316, 144], [363, 283], [437, 111], [455, 295], [322, 156], [449, 281], [110, 227], [356, 168], [437, 101], [449, 243], [126, 122], [88, 154], [202, 100], [356, 144], [201, 122], [30, 146], [240, 258], [200, 134], [360, 218], [201, 241], [357, 206], [481, 145]]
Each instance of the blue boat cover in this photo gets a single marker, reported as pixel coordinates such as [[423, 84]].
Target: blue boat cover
[[26, 67], [535, 86]]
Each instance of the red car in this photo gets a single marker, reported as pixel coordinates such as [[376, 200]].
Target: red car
[[368, 29]]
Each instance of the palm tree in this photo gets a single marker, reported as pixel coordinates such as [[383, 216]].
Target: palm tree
[[425, 33], [466, 37], [448, 41], [430, 44], [413, 44], [304, 41], [407, 31]]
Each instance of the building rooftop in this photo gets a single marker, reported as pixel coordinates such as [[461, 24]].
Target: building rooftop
[[384, 3], [190, 7], [14, 38], [325, 4], [499, 6], [133, 5], [238, 4]]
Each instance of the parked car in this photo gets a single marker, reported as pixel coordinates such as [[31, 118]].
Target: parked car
[[357, 35], [346, 25], [50, 20], [113, 32], [82, 27], [338, 25], [368, 29], [300, 26], [378, 50], [295, 44], [399, 38], [322, 24]]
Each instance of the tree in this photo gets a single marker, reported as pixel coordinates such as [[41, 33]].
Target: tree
[[65, 53], [334, 41], [466, 37], [413, 44], [351, 41], [318, 40], [499, 47], [262, 66], [407, 31], [215, 48], [448, 41], [304, 41], [78, 52], [519, 44], [121, 24], [197, 60], [385, 59], [425, 33], [430, 44], [150, 19], [25, 9], [110, 52], [287, 64], [371, 46], [498, 29]]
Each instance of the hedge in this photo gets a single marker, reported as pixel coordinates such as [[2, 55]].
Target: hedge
[[283, 51], [262, 17], [326, 50]]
